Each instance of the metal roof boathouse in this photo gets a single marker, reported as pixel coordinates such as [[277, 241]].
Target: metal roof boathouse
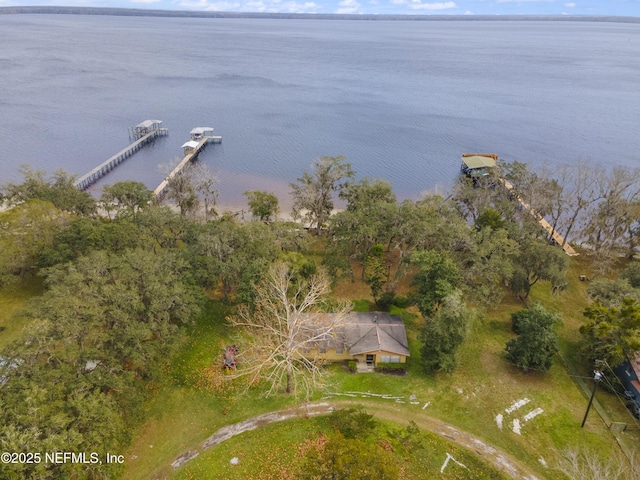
[[478, 164]]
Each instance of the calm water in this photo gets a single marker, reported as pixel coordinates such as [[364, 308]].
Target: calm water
[[401, 100]]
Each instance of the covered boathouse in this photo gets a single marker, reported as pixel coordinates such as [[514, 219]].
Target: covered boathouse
[[478, 164]]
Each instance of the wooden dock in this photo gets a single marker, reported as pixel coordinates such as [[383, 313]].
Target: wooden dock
[[541, 220], [191, 150], [101, 170]]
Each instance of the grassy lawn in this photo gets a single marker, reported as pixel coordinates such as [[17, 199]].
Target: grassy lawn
[[12, 300], [193, 403], [276, 452]]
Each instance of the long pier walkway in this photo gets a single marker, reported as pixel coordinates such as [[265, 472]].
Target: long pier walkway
[[568, 249], [199, 138], [143, 134]]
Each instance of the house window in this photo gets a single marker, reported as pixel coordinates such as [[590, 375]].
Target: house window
[[322, 350], [390, 358], [339, 351]]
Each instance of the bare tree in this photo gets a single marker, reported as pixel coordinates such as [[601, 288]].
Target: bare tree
[[205, 182], [579, 183], [285, 326], [613, 218], [588, 465], [194, 185]]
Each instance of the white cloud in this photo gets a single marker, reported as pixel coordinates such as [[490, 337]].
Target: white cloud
[[348, 6], [270, 6], [145, 1], [570, 5], [223, 6], [418, 5], [295, 7], [468, 12], [522, 1]]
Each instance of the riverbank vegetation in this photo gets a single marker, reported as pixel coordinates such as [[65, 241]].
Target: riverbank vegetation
[[115, 324]]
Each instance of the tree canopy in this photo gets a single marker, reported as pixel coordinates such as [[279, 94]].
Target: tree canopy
[[79, 374], [443, 333], [438, 277], [126, 197], [58, 189], [263, 205], [313, 194], [612, 333], [537, 342]]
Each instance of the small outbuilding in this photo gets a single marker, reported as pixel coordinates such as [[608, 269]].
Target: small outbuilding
[[146, 127], [478, 164], [190, 147], [199, 132]]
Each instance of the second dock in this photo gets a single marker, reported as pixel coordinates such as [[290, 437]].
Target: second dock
[[200, 136]]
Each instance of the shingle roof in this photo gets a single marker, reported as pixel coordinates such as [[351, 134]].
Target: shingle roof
[[363, 332]]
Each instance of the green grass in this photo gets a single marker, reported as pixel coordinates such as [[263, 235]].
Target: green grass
[[485, 384], [194, 401], [192, 405], [276, 452], [12, 301]]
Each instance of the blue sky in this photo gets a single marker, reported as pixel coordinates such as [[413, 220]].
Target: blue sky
[[412, 7]]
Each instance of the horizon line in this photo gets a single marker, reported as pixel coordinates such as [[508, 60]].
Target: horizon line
[[122, 11]]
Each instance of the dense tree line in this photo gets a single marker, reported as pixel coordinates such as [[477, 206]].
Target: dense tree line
[[587, 204], [122, 275], [118, 288]]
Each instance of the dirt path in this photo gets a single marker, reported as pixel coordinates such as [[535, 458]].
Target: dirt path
[[488, 453]]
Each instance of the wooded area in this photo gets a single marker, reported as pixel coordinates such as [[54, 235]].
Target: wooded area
[[123, 276]]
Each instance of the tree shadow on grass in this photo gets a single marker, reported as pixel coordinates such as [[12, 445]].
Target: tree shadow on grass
[[499, 326]]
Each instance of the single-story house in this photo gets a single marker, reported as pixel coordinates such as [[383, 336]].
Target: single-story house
[[370, 337]]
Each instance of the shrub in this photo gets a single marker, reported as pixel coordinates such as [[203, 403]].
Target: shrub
[[537, 342], [352, 365], [391, 367], [401, 302], [536, 314], [386, 300], [632, 274], [352, 422]]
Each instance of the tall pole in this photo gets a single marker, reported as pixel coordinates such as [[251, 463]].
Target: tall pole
[[597, 376]]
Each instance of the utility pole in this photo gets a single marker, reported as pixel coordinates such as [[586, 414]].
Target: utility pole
[[597, 376]]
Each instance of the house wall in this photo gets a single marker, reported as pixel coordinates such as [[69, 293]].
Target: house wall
[[380, 354], [331, 356]]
